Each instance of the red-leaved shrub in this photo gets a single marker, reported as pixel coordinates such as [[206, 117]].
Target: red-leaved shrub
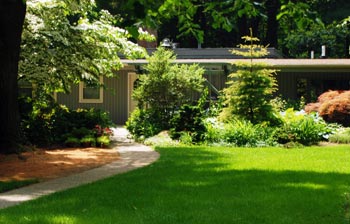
[[333, 106]]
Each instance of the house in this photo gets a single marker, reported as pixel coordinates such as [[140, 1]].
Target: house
[[296, 78]]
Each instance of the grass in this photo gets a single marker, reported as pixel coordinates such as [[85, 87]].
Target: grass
[[209, 185], [9, 185]]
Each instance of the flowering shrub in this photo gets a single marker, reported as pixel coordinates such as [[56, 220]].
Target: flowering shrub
[[54, 125], [100, 131]]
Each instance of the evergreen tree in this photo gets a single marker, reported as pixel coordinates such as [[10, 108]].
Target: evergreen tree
[[167, 85], [249, 92]]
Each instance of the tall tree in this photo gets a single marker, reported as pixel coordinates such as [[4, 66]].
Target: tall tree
[[12, 13]]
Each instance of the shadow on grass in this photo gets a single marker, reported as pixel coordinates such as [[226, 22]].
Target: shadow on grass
[[196, 185]]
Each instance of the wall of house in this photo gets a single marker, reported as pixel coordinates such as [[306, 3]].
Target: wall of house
[[293, 85], [115, 99], [290, 83]]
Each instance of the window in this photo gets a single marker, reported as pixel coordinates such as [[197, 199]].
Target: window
[[90, 94]]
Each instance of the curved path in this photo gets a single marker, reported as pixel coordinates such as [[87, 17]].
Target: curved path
[[132, 155]]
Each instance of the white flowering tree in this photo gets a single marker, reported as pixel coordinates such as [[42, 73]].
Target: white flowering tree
[[64, 42]]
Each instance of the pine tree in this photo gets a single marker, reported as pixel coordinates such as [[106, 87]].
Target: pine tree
[[251, 87]]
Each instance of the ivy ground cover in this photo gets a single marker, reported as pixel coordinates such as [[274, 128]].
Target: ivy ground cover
[[209, 185]]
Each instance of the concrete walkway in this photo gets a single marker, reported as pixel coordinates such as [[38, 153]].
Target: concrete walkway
[[132, 155]]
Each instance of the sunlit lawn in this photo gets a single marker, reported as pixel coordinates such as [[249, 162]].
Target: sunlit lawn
[[209, 185]]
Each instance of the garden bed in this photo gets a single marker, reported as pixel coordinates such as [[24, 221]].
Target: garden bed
[[44, 164]]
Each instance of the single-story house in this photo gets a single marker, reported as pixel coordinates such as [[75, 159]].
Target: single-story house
[[296, 78]]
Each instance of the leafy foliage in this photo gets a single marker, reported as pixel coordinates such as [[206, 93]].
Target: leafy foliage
[[306, 129], [166, 86], [294, 27], [144, 123], [249, 92], [300, 42], [240, 133], [333, 106], [243, 133], [161, 92], [342, 136], [65, 42], [189, 119], [55, 124]]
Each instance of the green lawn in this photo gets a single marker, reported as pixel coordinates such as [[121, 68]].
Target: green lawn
[[209, 185]]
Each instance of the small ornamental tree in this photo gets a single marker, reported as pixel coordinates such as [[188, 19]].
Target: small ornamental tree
[[250, 89], [333, 106]]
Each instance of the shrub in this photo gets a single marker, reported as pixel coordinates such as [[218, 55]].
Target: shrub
[[161, 92], [188, 120], [80, 132], [144, 123], [303, 128], [281, 104], [167, 85], [244, 133], [161, 139], [103, 141], [333, 106], [238, 133], [72, 142], [215, 130], [99, 131], [55, 123], [88, 141], [342, 136]]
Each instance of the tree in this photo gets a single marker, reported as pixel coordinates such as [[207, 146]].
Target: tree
[[250, 89], [221, 23], [167, 86], [65, 42], [12, 13], [161, 93], [211, 23], [201, 19], [132, 12]]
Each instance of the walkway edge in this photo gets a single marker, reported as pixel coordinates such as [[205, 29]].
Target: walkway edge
[[132, 155]]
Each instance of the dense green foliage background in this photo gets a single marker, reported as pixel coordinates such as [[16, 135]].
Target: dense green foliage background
[[293, 26]]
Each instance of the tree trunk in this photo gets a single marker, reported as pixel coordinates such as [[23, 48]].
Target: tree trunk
[[12, 13]]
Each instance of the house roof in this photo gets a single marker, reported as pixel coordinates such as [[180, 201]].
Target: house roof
[[211, 53], [321, 65]]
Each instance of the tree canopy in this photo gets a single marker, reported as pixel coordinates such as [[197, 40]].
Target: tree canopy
[[295, 27], [65, 42]]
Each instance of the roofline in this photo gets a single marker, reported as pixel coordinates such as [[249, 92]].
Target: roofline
[[283, 64]]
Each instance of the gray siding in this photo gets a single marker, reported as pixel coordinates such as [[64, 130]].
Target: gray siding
[[114, 98], [116, 93], [287, 81]]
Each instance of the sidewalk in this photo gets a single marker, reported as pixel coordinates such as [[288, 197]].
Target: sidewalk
[[133, 156]]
